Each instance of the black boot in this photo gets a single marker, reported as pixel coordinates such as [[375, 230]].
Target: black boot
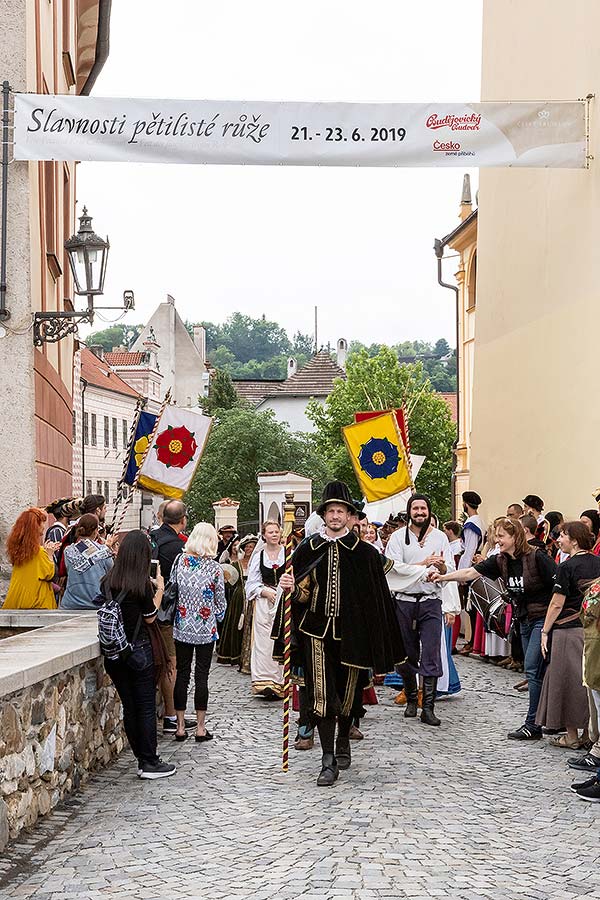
[[411, 689], [429, 689], [329, 772], [342, 753]]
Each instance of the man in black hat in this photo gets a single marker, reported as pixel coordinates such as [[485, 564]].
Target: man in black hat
[[418, 551], [534, 506], [347, 625]]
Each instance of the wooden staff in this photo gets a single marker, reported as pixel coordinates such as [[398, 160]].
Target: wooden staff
[[288, 527]]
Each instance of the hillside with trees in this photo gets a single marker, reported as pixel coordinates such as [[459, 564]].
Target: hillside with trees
[[247, 347]]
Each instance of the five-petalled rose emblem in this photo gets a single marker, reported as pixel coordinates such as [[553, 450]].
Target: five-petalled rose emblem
[[175, 446]]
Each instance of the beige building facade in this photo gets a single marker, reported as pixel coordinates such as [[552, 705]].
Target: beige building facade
[[461, 246], [536, 425], [46, 46]]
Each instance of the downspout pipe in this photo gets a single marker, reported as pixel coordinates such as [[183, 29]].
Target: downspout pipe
[[84, 384], [438, 247], [102, 45]]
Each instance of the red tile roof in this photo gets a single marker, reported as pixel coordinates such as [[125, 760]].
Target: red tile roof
[[255, 391], [452, 404], [315, 379], [96, 372], [125, 358]]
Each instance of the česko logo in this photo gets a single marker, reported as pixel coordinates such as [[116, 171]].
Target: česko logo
[[446, 146], [471, 122]]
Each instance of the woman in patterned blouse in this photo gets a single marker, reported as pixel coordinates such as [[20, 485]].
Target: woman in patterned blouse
[[201, 605]]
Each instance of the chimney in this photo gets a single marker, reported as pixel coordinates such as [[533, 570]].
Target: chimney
[[466, 204], [342, 352], [97, 350], [200, 340], [292, 367]]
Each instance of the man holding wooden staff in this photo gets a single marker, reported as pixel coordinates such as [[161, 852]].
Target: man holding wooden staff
[[347, 626]]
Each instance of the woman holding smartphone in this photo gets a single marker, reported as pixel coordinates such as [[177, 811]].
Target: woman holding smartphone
[[129, 583]]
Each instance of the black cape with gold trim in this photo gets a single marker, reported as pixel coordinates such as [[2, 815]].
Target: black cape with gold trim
[[366, 622]]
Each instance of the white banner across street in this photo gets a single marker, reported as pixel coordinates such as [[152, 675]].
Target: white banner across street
[[246, 132]]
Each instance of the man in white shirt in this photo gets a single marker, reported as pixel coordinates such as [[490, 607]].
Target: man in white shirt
[[418, 551]]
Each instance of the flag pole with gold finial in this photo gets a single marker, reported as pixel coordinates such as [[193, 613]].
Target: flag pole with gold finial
[[288, 527]]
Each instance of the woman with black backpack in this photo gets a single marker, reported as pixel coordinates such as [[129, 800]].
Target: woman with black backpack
[[133, 672]]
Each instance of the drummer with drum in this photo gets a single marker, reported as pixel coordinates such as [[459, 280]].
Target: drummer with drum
[[528, 574], [418, 552]]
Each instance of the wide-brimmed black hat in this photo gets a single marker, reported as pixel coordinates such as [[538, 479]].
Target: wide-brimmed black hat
[[534, 501], [336, 492], [359, 506]]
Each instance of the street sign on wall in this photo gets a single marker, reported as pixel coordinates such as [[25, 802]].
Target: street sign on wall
[[66, 127]]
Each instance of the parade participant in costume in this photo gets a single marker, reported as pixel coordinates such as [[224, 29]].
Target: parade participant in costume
[[534, 506], [474, 532], [229, 649], [347, 624], [227, 535], [247, 548], [265, 570], [419, 551], [63, 511]]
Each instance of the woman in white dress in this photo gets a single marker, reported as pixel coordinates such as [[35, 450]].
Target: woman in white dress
[[266, 568]]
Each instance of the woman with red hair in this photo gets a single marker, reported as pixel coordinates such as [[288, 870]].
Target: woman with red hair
[[33, 567]]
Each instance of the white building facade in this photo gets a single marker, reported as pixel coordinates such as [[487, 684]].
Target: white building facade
[[105, 409]]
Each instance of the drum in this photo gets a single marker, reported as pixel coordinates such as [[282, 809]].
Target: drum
[[490, 598]]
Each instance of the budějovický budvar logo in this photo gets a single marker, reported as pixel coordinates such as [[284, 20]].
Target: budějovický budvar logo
[[470, 122]]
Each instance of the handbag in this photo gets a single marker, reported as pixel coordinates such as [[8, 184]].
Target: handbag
[[170, 598], [490, 598]]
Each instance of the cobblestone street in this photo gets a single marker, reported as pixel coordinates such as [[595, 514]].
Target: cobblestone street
[[452, 812]]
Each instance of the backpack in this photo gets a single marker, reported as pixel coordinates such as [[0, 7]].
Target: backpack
[[111, 628]]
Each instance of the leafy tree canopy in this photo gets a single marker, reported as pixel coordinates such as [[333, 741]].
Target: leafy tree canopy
[[242, 443], [381, 382], [221, 395], [439, 360], [115, 336]]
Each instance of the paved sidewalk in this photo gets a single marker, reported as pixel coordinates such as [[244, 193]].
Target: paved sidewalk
[[454, 812]]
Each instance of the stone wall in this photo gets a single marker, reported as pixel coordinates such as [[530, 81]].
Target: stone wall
[[53, 734]]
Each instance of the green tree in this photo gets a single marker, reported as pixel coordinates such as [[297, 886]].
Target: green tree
[[303, 345], [242, 443], [115, 336], [221, 394], [249, 338], [381, 382]]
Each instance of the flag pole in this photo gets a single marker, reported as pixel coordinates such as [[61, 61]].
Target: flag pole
[[288, 527], [130, 441], [134, 486]]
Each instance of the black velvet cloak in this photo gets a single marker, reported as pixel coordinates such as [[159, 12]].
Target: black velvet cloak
[[365, 622]]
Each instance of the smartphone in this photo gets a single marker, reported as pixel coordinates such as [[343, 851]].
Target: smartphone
[[153, 568]]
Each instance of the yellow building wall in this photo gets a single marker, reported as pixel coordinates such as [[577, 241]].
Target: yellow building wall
[[536, 420]]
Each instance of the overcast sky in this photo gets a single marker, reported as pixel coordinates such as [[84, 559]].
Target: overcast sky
[[357, 243]]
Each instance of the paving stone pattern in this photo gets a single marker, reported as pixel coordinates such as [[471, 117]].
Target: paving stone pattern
[[454, 812]]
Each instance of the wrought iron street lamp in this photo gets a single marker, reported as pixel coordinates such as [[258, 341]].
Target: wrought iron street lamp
[[88, 254]]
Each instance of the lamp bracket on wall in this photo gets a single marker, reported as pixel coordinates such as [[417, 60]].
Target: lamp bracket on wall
[[49, 327]]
